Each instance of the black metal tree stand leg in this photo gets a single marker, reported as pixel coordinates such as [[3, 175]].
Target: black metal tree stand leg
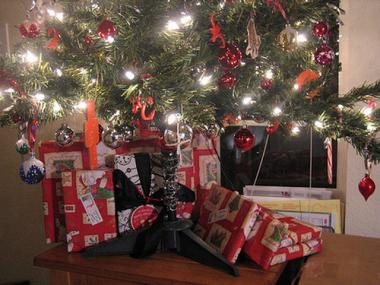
[[177, 232]]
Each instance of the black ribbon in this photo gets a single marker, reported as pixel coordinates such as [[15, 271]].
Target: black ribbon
[[127, 195]]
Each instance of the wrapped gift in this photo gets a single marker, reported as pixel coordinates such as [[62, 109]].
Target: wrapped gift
[[225, 220], [56, 160], [276, 238], [89, 207], [134, 182]]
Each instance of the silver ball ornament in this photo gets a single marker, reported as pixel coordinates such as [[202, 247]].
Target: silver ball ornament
[[113, 137], [64, 136], [184, 136]]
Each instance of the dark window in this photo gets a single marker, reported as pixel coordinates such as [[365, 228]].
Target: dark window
[[286, 161]]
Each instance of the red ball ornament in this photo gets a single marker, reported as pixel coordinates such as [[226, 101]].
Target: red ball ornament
[[227, 81], [366, 187], [88, 41], [320, 29], [106, 29], [324, 55], [266, 84], [272, 127], [230, 56], [244, 139], [30, 32]]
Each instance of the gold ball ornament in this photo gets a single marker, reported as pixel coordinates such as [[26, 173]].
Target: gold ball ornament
[[287, 39]]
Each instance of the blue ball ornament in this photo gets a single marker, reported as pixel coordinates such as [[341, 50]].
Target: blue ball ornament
[[32, 170]]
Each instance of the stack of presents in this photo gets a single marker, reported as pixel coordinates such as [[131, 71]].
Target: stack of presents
[[85, 207]]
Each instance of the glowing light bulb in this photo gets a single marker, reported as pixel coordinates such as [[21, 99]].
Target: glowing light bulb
[[39, 96], [269, 74], [93, 80], [276, 111], [371, 127], [340, 107], [301, 38], [58, 72], [243, 63], [9, 90], [110, 39], [173, 118], [129, 75], [172, 25], [81, 105], [318, 124], [60, 16], [56, 107], [296, 87], [295, 130], [205, 79], [29, 57], [367, 111], [247, 101], [186, 20]]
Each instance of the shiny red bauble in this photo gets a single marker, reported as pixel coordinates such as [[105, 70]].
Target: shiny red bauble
[[244, 139], [30, 32], [88, 41], [272, 127], [106, 29], [324, 55], [227, 81], [230, 56], [366, 187], [320, 29], [266, 84]]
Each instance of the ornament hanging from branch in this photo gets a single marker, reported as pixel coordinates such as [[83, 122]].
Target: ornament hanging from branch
[[272, 127], [254, 40], [64, 136], [30, 31], [324, 55], [22, 145], [227, 81], [106, 29], [230, 57], [287, 39], [216, 32], [320, 29], [32, 170], [244, 139], [367, 186], [137, 105]]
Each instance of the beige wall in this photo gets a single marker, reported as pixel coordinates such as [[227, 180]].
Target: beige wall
[[21, 217], [360, 62]]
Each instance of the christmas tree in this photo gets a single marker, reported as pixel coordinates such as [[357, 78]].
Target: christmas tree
[[206, 62]]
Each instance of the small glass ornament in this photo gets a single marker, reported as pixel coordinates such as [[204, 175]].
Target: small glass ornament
[[64, 136], [230, 56], [287, 39], [32, 170], [113, 137], [244, 139]]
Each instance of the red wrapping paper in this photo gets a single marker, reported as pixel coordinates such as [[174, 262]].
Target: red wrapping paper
[[89, 207], [56, 160], [276, 238], [225, 220]]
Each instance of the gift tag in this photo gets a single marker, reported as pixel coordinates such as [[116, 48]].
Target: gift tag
[[91, 209], [142, 216]]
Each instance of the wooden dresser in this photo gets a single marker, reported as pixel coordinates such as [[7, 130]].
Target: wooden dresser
[[161, 268]]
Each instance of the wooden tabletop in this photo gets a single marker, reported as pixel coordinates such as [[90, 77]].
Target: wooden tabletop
[[160, 268], [346, 260]]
